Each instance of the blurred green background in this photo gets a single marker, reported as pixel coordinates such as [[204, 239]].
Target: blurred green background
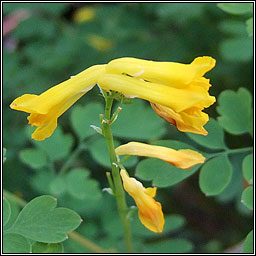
[[45, 43]]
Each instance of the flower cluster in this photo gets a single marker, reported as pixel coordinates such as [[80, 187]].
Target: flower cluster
[[177, 92]]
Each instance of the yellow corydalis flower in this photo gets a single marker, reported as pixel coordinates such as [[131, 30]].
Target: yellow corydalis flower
[[183, 158], [150, 211], [45, 108], [178, 92]]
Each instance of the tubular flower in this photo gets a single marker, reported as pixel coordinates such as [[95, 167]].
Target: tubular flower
[[178, 92], [183, 158], [45, 108], [150, 211]]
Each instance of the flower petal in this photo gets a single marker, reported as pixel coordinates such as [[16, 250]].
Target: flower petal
[[150, 211], [184, 158], [169, 73], [48, 106], [177, 99], [191, 120]]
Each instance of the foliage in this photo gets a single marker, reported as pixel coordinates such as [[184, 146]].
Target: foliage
[[48, 46]]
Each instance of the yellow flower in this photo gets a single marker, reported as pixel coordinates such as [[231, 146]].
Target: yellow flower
[[150, 211], [84, 14], [45, 108], [183, 158], [178, 92]]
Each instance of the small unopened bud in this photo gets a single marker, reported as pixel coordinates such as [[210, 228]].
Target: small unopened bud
[[109, 190], [97, 129]]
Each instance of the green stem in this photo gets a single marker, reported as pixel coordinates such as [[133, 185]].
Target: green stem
[[231, 151], [119, 191]]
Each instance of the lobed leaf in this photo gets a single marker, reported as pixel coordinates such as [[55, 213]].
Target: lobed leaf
[[138, 121], [84, 116], [235, 111], [41, 221], [80, 186], [34, 158], [58, 146]]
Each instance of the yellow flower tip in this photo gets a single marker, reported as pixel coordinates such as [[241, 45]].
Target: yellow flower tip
[[184, 158], [191, 120], [190, 159], [47, 107], [84, 14], [150, 211], [204, 64], [25, 103]]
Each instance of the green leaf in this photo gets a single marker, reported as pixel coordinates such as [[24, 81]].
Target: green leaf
[[248, 244], [47, 248], [235, 109], [215, 175], [248, 168], [84, 116], [41, 181], [234, 189], [41, 221], [249, 26], [58, 186], [138, 121], [99, 151], [175, 245], [14, 243], [247, 197], [6, 211], [34, 158], [237, 49], [58, 146], [236, 8], [214, 139], [81, 186], [161, 173]]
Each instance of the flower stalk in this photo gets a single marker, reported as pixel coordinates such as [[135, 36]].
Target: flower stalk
[[118, 187]]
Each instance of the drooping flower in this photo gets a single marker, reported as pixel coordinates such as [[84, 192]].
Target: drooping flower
[[183, 158], [178, 92], [150, 211], [45, 108]]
